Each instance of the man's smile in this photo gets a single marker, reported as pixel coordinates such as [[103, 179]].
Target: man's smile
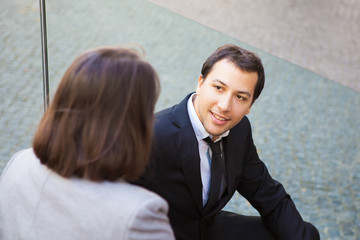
[[218, 117]]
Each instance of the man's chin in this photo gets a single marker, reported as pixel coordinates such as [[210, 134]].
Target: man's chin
[[216, 134]]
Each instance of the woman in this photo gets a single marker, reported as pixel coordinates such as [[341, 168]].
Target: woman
[[95, 136]]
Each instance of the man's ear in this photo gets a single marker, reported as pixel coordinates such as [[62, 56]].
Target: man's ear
[[200, 83], [248, 111]]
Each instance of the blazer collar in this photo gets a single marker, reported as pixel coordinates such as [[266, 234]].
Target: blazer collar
[[230, 161], [188, 151]]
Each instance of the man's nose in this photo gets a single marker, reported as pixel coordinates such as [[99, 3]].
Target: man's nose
[[224, 103]]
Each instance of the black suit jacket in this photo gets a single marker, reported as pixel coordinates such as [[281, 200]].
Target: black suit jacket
[[174, 173]]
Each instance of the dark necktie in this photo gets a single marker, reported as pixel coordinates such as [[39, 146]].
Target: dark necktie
[[217, 171]]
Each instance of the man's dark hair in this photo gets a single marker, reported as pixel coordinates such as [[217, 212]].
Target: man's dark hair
[[245, 60]]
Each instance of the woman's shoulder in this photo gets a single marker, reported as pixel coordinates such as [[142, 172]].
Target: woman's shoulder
[[146, 213], [135, 200], [134, 193], [21, 160]]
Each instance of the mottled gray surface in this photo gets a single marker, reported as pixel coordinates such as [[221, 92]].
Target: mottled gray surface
[[320, 35], [305, 126]]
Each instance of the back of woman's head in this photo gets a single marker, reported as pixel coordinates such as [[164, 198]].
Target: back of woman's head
[[99, 124]]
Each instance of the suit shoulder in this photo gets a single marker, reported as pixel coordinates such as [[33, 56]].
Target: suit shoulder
[[164, 115], [165, 123], [174, 114], [242, 129], [244, 123]]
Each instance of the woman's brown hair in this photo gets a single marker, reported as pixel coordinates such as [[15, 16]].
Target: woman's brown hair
[[99, 124]]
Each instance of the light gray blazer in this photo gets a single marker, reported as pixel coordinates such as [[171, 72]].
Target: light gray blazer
[[37, 203]]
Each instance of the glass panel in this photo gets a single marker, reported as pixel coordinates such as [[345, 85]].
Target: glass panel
[[306, 127]]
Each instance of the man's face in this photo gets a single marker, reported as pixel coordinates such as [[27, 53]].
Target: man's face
[[224, 97]]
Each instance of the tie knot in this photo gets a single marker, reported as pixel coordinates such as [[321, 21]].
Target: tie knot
[[215, 146]]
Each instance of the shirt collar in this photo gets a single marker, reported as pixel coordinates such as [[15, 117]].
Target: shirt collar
[[199, 129]]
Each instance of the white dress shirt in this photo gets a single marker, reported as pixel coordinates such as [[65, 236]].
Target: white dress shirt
[[204, 148]]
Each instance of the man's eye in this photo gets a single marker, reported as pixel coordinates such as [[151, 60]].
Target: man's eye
[[241, 98]]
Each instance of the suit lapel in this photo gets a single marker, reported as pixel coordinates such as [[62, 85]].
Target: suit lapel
[[230, 161], [188, 151]]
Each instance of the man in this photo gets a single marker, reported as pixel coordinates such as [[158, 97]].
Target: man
[[198, 176]]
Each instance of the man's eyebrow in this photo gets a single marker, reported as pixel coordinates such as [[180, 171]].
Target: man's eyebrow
[[245, 92], [221, 82], [241, 92]]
